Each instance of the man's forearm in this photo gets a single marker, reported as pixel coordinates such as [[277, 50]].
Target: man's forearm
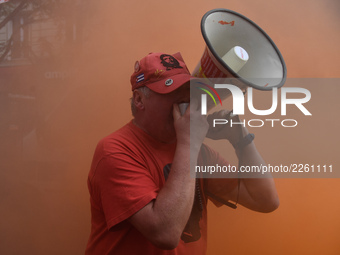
[[163, 220], [256, 192], [175, 200]]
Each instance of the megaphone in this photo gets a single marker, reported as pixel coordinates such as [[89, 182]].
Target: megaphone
[[238, 49]]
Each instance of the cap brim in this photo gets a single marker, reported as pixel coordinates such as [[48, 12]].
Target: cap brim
[[170, 84]]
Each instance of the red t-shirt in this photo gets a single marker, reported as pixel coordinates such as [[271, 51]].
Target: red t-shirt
[[128, 170]]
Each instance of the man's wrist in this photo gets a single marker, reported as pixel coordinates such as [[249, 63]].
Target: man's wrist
[[237, 138], [244, 141]]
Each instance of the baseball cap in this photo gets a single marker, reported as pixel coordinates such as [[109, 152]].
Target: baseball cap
[[160, 72]]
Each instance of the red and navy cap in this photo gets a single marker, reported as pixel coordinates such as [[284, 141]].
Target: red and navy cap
[[160, 72]]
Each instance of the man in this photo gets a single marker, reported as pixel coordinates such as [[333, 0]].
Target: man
[[143, 200]]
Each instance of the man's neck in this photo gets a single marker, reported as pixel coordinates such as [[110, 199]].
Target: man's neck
[[162, 139]]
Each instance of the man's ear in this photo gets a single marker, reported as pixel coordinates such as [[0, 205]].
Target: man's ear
[[138, 99]]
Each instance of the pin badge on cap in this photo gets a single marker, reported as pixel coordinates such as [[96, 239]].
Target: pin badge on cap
[[137, 67], [169, 82]]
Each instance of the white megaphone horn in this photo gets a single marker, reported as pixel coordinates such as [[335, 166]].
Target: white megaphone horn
[[239, 51]]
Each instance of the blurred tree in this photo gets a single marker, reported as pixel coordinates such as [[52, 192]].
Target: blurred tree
[[41, 44], [19, 18]]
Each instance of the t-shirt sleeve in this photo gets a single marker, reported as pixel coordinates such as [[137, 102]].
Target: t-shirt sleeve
[[124, 186]]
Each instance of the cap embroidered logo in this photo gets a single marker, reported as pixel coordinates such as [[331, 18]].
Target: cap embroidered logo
[[169, 62]]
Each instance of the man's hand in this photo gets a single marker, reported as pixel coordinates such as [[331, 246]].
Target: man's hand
[[191, 118], [225, 131]]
